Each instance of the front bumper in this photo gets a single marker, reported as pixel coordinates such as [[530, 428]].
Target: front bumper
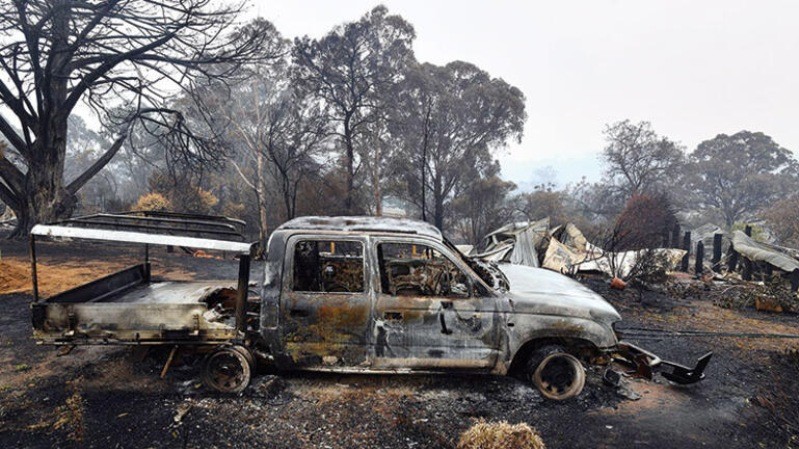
[[644, 364]]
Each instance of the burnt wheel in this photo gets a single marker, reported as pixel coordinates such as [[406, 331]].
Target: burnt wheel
[[557, 374], [227, 370], [247, 355]]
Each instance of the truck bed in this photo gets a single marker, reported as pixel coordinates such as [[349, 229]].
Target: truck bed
[[127, 308], [169, 292]]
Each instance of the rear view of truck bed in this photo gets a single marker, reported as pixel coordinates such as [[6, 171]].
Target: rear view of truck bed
[[129, 307]]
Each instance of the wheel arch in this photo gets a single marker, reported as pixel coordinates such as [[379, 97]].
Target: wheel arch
[[579, 347]]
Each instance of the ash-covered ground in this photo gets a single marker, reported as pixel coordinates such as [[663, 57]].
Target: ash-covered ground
[[109, 397]]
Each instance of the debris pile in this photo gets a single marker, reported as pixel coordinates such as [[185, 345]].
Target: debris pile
[[756, 274], [566, 250]]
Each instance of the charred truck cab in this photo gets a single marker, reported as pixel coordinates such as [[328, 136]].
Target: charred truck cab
[[364, 294]]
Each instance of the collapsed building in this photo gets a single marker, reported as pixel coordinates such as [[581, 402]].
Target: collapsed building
[[564, 249], [735, 257]]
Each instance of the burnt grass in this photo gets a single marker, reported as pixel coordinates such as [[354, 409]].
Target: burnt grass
[[108, 397]]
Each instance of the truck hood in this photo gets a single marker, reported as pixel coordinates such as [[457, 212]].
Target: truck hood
[[545, 292]]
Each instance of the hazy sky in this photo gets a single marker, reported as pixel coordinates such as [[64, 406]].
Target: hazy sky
[[693, 68]]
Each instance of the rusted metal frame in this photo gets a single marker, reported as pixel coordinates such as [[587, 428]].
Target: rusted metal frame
[[34, 275], [153, 227], [180, 226], [216, 219], [241, 296], [184, 220], [79, 342]]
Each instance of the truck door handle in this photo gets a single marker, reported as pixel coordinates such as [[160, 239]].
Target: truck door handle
[[444, 306], [444, 329], [393, 316], [298, 312]]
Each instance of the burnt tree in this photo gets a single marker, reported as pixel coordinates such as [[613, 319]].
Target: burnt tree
[[350, 69], [123, 59]]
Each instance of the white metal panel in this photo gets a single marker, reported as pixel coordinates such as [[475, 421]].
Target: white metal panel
[[140, 237]]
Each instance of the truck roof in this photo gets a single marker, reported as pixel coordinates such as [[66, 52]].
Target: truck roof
[[363, 225]]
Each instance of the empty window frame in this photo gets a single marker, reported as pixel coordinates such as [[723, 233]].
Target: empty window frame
[[408, 269], [328, 266]]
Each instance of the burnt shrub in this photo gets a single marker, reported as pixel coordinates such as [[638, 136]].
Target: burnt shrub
[[644, 221]]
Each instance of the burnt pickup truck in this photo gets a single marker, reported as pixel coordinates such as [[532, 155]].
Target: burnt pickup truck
[[353, 294]]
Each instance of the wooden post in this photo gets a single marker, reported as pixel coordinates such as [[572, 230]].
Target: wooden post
[[748, 230], [732, 261], [794, 276], [700, 258], [716, 260], [675, 236], [686, 245], [748, 268]]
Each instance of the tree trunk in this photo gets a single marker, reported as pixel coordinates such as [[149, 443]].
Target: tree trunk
[[349, 162], [425, 142], [45, 197], [438, 197], [263, 226], [377, 191], [287, 198]]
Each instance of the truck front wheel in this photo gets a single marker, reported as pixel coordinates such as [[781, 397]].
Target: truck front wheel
[[557, 374], [227, 370]]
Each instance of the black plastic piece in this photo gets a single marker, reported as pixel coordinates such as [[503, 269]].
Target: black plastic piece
[[683, 375]]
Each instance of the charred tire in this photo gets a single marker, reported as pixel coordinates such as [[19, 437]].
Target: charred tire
[[247, 355], [227, 370], [557, 374]]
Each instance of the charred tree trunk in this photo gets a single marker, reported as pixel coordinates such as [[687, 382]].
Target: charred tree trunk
[[425, 143], [377, 191], [438, 197], [263, 226], [349, 162], [44, 197]]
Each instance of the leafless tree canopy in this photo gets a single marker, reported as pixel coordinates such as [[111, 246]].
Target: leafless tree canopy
[[123, 58]]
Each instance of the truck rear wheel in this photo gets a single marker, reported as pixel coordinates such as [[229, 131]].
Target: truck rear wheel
[[227, 370], [557, 374]]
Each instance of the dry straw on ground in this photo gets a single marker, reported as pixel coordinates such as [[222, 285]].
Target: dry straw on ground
[[500, 435]]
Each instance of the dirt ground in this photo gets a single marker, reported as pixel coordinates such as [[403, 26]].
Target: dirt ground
[[108, 397]]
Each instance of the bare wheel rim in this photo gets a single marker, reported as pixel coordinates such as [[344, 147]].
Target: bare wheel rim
[[227, 371], [559, 376]]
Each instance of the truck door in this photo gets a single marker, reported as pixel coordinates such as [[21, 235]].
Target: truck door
[[427, 312], [325, 305]]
